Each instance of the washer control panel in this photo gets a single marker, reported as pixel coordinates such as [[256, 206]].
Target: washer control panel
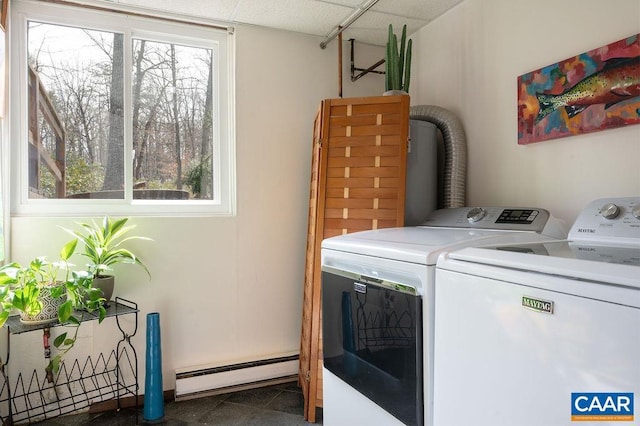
[[611, 220]]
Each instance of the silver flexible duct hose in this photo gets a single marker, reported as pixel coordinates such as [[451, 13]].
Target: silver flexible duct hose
[[455, 151]]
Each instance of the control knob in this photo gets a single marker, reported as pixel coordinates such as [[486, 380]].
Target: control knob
[[635, 211], [476, 214], [610, 211]]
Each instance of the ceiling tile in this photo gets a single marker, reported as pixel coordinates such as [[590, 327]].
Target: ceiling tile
[[348, 3], [316, 17], [418, 9], [220, 10], [305, 16], [372, 27]]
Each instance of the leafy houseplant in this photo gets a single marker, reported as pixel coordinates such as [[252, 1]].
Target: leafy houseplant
[[103, 247], [49, 286], [398, 61]]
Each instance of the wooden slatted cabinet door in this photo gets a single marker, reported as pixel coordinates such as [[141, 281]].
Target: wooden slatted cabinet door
[[310, 299], [358, 177]]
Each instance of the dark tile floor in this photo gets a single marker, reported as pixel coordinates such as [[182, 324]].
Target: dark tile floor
[[278, 405]]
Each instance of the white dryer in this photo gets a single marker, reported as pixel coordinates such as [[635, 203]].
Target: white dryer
[[543, 333], [377, 309]]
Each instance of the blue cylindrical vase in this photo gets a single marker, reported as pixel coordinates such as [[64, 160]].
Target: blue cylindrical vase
[[153, 393]]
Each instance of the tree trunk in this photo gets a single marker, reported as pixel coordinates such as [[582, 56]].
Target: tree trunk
[[144, 137], [114, 173], [176, 119], [207, 134], [138, 144], [207, 117]]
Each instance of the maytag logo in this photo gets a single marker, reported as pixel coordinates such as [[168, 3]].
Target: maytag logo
[[589, 249], [537, 305], [602, 406], [587, 230]]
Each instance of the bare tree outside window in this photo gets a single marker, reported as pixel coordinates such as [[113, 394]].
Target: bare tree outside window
[[77, 116], [114, 172]]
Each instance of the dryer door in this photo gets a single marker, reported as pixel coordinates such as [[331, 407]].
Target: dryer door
[[372, 340]]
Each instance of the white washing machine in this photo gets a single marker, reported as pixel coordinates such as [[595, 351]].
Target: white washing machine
[[544, 333], [377, 309]]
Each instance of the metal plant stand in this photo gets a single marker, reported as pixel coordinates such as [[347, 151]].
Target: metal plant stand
[[110, 376]]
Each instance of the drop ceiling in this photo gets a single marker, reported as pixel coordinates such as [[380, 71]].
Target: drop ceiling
[[315, 17]]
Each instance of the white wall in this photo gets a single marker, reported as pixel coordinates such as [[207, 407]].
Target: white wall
[[230, 289], [468, 61]]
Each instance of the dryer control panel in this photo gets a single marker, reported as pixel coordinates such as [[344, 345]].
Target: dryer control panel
[[609, 220], [495, 218]]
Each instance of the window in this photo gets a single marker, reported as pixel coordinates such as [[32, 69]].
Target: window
[[118, 112]]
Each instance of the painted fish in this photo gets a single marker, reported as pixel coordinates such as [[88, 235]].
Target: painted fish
[[617, 81]]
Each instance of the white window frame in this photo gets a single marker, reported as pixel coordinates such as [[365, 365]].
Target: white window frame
[[134, 25]]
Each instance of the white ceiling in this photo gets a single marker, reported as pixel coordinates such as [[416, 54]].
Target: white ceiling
[[315, 17]]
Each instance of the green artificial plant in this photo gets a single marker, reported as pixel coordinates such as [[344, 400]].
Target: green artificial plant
[[398, 61]]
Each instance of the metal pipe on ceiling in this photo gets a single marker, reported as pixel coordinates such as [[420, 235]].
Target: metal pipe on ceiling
[[350, 20]]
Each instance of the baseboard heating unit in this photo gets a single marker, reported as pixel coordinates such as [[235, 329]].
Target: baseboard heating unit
[[201, 381]]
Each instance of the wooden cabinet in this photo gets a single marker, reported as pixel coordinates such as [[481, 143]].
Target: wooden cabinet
[[358, 174]]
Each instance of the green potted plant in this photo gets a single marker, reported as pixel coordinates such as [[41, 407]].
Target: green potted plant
[[397, 63], [104, 247], [44, 292]]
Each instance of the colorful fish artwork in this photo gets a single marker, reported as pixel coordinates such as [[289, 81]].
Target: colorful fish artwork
[[596, 90]]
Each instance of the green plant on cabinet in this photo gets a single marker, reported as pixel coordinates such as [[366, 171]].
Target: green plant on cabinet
[[398, 61]]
